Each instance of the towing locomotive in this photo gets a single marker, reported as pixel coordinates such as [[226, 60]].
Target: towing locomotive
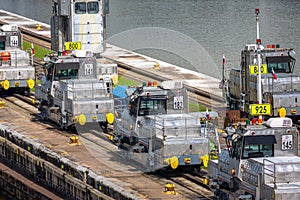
[[70, 92], [276, 83], [260, 162], [16, 70], [80, 23], [156, 129], [280, 87]]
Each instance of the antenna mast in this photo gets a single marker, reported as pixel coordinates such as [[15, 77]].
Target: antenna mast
[[258, 42]]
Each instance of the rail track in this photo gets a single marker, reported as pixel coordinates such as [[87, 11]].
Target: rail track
[[190, 180], [187, 185], [183, 181]]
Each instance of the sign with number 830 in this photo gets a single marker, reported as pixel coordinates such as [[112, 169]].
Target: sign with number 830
[[254, 69], [260, 109]]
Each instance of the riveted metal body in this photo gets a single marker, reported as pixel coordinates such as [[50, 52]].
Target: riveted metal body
[[70, 92], [16, 70], [81, 21], [280, 86], [158, 131], [260, 162]]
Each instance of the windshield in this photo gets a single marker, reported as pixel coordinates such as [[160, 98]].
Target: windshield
[[90, 7], [63, 74], [280, 64], [258, 146], [253, 151], [152, 106]]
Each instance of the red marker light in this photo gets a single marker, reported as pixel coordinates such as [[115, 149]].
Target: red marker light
[[258, 41], [273, 46], [257, 10]]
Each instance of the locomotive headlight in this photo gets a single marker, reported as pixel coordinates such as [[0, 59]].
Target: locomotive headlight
[[131, 126], [232, 172], [110, 118], [82, 119], [30, 83], [293, 111], [281, 112], [5, 84]]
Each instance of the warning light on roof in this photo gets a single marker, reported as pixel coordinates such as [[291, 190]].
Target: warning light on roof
[[154, 84], [258, 41], [257, 10]]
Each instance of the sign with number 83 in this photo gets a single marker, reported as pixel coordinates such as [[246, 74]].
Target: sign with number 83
[[254, 69]]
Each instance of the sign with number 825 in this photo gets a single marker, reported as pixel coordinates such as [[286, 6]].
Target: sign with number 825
[[260, 109]]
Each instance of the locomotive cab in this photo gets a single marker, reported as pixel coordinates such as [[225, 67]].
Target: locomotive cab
[[57, 72], [255, 162], [252, 147], [280, 86], [158, 131], [70, 92], [146, 105], [16, 71]]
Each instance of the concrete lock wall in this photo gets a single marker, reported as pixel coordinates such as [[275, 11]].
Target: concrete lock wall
[[53, 171]]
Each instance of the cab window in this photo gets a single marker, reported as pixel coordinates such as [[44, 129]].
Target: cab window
[[236, 149], [152, 106], [279, 67], [253, 151], [280, 64], [80, 8], [93, 7], [258, 146], [2, 45], [63, 74]]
